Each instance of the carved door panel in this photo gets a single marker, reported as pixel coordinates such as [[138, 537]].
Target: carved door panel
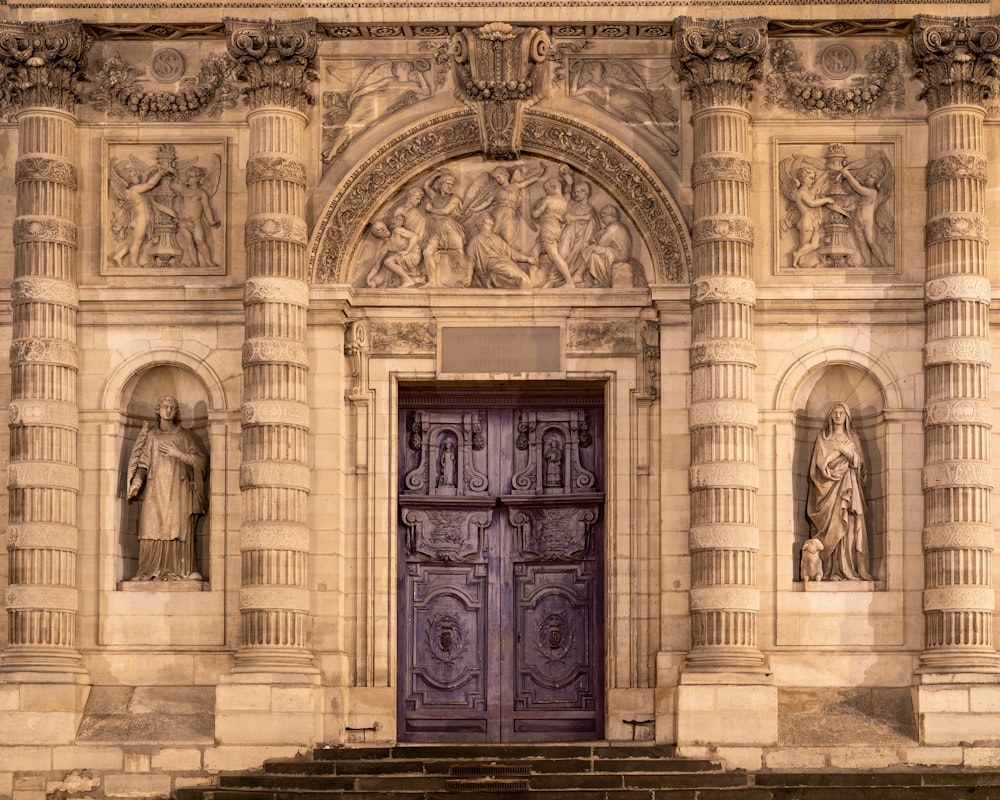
[[501, 584]]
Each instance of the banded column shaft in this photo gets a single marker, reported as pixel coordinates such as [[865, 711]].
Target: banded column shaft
[[43, 477], [275, 59], [719, 61], [956, 60]]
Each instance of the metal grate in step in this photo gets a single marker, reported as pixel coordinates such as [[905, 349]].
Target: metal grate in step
[[489, 785], [489, 770]]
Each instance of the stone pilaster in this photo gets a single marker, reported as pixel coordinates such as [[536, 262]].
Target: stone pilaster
[[720, 62], [275, 60], [43, 480], [957, 59]]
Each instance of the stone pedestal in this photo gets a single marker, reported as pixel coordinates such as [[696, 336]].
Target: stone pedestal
[[957, 709], [726, 710], [276, 709], [34, 710]]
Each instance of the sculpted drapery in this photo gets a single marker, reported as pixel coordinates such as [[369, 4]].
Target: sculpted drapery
[[167, 466], [836, 504]]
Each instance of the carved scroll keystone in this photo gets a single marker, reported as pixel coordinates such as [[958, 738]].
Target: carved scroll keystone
[[500, 70]]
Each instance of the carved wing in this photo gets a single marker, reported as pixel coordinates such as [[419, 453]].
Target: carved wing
[[210, 183], [481, 194]]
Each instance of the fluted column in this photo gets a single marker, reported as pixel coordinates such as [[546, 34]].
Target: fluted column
[[720, 63], [43, 478], [275, 59], [957, 59]]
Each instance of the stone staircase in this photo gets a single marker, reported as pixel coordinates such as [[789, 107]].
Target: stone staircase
[[567, 772]]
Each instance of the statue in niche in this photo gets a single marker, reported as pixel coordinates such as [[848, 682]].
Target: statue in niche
[[840, 210], [167, 467], [446, 463], [836, 504], [542, 231], [381, 87], [553, 463], [164, 212]]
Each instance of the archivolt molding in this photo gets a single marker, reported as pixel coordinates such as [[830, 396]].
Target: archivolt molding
[[125, 373], [871, 362], [642, 197]]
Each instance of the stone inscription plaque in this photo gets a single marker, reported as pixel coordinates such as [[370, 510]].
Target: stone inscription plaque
[[496, 349]]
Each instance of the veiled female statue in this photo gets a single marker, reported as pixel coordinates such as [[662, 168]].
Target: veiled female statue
[[836, 504]]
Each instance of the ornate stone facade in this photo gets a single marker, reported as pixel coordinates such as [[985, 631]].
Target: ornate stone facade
[[444, 298]]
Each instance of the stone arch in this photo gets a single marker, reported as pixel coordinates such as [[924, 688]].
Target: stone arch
[[639, 191]]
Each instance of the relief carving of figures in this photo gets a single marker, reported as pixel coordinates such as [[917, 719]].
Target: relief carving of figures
[[836, 90], [363, 94], [839, 209], [836, 504], [528, 224], [164, 214], [634, 92]]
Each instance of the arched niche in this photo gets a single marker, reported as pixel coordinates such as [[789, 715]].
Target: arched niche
[[856, 388], [139, 398], [660, 233]]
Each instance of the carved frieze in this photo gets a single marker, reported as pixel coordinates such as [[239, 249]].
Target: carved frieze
[[553, 533], [445, 534], [601, 336], [958, 350], [43, 168], [838, 207], [836, 89], [165, 208], [402, 337]]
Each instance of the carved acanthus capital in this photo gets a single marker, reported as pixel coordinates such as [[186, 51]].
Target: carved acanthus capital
[[500, 70], [275, 58], [957, 59], [44, 63], [720, 59]]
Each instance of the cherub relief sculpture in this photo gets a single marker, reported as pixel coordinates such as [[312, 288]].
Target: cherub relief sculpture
[[367, 92], [838, 212], [164, 213], [527, 224]]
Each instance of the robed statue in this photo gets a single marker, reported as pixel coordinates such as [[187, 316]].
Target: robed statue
[[167, 468], [836, 504]]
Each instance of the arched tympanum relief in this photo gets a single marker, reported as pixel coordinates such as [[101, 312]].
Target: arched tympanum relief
[[356, 230], [858, 392]]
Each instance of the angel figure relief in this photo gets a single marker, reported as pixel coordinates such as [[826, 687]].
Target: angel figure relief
[[164, 213], [838, 212]]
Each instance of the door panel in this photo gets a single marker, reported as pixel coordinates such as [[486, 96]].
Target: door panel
[[501, 585]]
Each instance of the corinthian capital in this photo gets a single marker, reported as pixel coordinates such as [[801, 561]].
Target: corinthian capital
[[499, 71], [275, 58], [956, 59], [720, 59], [46, 61]]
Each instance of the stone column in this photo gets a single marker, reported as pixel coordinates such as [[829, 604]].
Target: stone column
[[43, 479], [957, 60], [725, 670], [275, 60]]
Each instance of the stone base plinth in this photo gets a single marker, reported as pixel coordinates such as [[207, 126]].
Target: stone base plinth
[[269, 709], [960, 709], [41, 712], [725, 709]]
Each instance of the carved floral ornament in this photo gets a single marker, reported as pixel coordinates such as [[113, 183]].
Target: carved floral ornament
[[957, 59]]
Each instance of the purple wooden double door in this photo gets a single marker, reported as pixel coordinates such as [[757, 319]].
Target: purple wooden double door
[[500, 565]]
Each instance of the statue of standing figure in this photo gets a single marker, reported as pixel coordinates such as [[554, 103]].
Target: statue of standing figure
[[167, 467], [836, 504]]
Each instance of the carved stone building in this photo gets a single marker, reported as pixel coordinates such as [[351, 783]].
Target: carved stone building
[[508, 348]]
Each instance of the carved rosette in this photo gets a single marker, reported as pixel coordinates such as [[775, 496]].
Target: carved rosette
[[957, 61], [499, 71], [43, 64], [275, 58], [721, 63]]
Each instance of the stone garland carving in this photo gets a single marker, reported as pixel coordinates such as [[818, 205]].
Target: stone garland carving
[[791, 86], [839, 211], [499, 71], [401, 337], [592, 336], [120, 92], [41, 65], [370, 92], [492, 227], [634, 92], [164, 213]]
